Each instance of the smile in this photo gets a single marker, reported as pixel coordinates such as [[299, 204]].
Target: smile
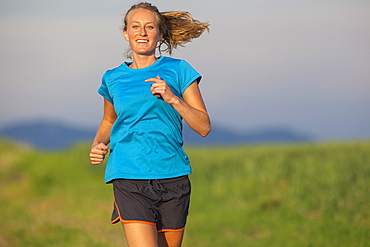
[[142, 41]]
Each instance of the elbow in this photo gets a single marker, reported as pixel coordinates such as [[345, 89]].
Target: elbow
[[204, 134], [205, 131], [202, 127]]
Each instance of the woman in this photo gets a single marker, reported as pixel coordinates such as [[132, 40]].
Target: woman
[[144, 103]]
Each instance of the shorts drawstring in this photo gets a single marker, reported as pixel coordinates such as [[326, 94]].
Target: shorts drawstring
[[156, 187]]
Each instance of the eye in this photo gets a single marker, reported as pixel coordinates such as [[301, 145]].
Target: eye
[[150, 27], [135, 26]]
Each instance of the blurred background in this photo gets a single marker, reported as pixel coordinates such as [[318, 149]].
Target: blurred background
[[273, 71], [281, 70]]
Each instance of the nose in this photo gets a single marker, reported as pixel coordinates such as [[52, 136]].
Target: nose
[[143, 31]]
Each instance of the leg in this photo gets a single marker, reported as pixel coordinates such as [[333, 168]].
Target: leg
[[140, 235], [170, 239]]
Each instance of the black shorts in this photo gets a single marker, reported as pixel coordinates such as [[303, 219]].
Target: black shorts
[[160, 202]]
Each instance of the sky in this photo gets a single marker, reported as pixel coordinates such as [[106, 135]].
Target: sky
[[302, 65]]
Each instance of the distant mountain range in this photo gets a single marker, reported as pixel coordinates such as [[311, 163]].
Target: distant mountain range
[[54, 135]]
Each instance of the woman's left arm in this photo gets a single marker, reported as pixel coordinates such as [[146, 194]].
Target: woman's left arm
[[192, 108]]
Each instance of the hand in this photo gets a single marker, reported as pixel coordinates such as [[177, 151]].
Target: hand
[[97, 153], [161, 89]]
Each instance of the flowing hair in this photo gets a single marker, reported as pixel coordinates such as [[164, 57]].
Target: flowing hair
[[177, 27]]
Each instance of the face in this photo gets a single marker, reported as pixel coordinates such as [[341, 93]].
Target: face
[[142, 32]]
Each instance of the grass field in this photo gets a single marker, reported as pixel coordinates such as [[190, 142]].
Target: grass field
[[265, 195]]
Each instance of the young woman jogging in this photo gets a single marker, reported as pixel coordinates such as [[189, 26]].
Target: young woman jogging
[[145, 102]]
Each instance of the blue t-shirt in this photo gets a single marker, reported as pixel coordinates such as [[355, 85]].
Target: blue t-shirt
[[146, 139]]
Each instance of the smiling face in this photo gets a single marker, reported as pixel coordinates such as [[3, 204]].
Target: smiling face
[[142, 32]]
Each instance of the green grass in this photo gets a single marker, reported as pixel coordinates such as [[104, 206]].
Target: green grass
[[266, 195]]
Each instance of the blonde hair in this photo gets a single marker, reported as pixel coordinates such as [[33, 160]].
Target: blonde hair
[[177, 27]]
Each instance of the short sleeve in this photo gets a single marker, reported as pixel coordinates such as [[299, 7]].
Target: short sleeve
[[104, 91], [187, 75]]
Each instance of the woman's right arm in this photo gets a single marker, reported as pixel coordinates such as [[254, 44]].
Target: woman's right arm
[[100, 144]]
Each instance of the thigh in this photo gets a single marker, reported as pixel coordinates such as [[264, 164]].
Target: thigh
[[133, 202], [170, 239], [173, 209], [138, 235]]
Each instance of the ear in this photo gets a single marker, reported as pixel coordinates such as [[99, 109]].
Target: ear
[[125, 35]]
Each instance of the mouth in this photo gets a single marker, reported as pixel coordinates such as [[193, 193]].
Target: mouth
[[143, 41]]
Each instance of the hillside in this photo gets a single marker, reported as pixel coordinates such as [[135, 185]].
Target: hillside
[[53, 135]]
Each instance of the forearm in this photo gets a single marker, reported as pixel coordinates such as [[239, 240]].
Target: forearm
[[197, 120], [191, 108], [103, 133]]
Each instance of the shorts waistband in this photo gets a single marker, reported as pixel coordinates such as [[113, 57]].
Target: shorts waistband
[[162, 181]]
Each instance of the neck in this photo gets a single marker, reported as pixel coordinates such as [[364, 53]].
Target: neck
[[140, 62]]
